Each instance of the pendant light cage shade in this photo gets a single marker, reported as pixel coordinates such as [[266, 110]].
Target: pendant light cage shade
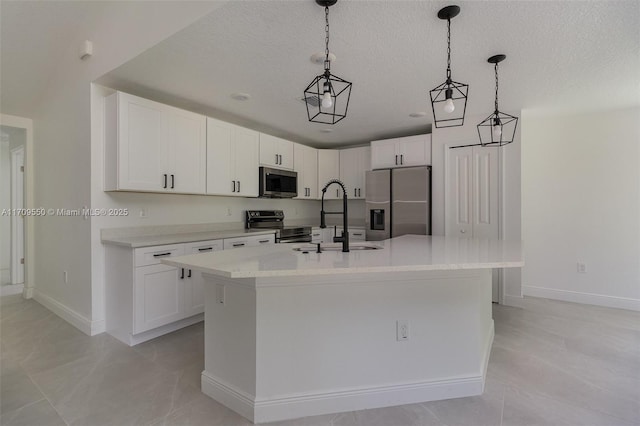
[[457, 92], [340, 93], [449, 100], [498, 129]]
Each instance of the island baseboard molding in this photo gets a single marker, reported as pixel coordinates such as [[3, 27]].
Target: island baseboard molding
[[358, 398]]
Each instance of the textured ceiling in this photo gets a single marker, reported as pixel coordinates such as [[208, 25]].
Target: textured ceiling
[[561, 55]]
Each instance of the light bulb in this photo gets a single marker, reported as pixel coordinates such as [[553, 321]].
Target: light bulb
[[327, 100], [496, 131], [449, 107]]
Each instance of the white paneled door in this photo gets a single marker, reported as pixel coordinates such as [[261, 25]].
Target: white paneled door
[[472, 196]]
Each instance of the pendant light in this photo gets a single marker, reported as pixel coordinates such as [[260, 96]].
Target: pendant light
[[499, 128], [327, 96], [449, 100]]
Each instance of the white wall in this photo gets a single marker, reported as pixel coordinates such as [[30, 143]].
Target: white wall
[[62, 146], [581, 203], [509, 175]]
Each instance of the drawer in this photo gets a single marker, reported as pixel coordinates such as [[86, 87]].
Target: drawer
[[238, 242], [152, 255], [259, 240], [203, 246]]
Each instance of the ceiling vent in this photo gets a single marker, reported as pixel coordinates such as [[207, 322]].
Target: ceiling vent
[[313, 101]]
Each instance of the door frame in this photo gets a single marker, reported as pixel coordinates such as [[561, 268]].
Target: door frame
[[17, 222], [29, 238], [501, 204]]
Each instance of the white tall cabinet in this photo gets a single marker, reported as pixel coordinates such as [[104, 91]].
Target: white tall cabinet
[[354, 163], [305, 162], [153, 147], [232, 159], [328, 168], [408, 151]]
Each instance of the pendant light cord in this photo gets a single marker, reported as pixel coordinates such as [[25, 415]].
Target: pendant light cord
[[448, 51], [496, 69], [327, 63]]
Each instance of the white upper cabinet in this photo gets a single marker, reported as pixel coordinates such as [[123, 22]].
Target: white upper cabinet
[[354, 163], [328, 168], [305, 162], [232, 159], [153, 147], [276, 152], [401, 152]]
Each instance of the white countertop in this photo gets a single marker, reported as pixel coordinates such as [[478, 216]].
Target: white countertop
[[406, 253], [177, 238]]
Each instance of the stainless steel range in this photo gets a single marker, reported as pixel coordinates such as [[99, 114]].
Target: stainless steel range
[[274, 219]]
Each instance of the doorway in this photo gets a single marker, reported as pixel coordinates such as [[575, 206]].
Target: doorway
[[12, 217]]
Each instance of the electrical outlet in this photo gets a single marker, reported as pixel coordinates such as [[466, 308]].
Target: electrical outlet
[[144, 212], [402, 330], [229, 211], [582, 268]]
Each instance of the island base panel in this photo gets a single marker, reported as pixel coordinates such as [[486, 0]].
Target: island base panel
[[289, 347]]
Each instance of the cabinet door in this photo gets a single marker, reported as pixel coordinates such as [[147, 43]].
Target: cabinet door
[[158, 297], [187, 133], [306, 165], [193, 281], [328, 168], [220, 170], [384, 154], [142, 144], [261, 240], [349, 169], [458, 202], [269, 155], [246, 148], [285, 150], [364, 166], [234, 243], [485, 193], [413, 151]]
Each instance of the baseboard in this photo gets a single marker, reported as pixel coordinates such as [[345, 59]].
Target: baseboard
[[11, 289], [303, 405], [508, 300], [136, 339], [74, 318], [27, 293], [584, 298]]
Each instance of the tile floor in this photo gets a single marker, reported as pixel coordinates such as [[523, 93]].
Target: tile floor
[[553, 363]]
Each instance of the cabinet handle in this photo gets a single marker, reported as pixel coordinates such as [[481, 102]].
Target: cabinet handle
[[189, 276], [206, 249], [162, 254], [182, 274], [234, 186], [396, 160], [337, 193], [173, 181], [359, 234], [355, 192], [359, 192], [276, 158], [238, 244], [263, 241], [281, 160], [165, 181], [238, 186], [401, 159]]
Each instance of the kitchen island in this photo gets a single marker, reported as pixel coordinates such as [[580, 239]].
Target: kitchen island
[[291, 333]]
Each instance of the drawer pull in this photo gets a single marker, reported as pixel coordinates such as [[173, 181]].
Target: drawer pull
[[182, 274], [162, 254], [189, 276], [263, 241], [238, 244], [359, 234], [206, 249]]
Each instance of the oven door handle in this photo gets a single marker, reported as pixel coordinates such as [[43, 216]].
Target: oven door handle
[[300, 239]]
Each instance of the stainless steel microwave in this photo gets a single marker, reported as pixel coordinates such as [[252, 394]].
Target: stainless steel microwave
[[276, 183]]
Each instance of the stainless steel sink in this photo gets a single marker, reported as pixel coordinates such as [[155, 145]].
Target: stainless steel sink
[[311, 248]]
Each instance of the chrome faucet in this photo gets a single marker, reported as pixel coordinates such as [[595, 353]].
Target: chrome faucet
[[344, 239]]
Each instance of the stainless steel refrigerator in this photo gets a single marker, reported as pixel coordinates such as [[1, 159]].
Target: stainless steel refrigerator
[[398, 202]]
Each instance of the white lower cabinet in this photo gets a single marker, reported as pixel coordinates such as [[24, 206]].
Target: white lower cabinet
[[193, 281], [146, 298], [158, 297]]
